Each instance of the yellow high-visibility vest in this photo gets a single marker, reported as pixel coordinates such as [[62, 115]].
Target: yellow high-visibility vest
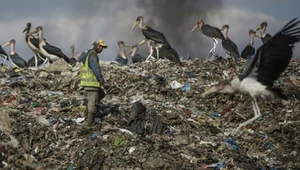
[[87, 77]]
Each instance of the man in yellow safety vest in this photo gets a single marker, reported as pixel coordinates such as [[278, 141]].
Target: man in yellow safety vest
[[92, 79]]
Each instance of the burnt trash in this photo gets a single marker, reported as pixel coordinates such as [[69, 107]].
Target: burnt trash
[[136, 120]]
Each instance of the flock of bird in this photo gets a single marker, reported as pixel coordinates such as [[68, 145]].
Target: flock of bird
[[263, 67], [45, 52]]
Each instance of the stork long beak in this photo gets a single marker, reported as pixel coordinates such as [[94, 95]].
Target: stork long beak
[[195, 27], [142, 42], [129, 51], [126, 45], [134, 25], [210, 91], [258, 28], [7, 44], [257, 35], [32, 32], [25, 29]]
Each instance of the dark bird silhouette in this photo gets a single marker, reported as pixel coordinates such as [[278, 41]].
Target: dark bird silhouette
[[249, 50], [134, 56], [15, 59], [211, 32], [167, 53], [49, 51], [151, 35], [270, 60], [229, 46], [33, 44], [263, 35], [3, 54], [121, 57], [73, 58]]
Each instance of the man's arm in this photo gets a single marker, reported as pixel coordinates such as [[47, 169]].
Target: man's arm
[[95, 67]]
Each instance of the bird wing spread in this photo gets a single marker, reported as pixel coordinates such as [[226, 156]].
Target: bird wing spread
[[273, 57]]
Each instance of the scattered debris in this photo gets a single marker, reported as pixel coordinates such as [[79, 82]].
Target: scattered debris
[[152, 117]]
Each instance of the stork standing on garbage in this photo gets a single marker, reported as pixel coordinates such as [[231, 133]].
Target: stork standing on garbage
[[157, 38], [271, 59], [91, 79]]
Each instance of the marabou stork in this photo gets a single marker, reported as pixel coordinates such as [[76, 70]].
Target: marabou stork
[[249, 50], [15, 59], [168, 53], [211, 32], [135, 57], [271, 59], [229, 46], [33, 44], [264, 36], [3, 54], [121, 57], [151, 35], [50, 52], [73, 59]]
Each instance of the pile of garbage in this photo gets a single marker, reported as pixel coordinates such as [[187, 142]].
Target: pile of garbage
[[152, 117]]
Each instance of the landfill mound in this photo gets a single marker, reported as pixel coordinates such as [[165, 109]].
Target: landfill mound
[[151, 118]]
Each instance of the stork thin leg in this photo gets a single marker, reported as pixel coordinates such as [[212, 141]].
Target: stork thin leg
[[129, 60], [35, 60], [257, 114], [215, 44], [157, 52], [210, 53], [150, 55], [44, 62], [41, 57], [5, 58]]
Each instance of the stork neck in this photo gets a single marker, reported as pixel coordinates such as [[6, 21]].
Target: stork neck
[[133, 52], [141, 24], [251, 42], [41, 39], [226, 33], [122, 52], [72, 52], [263, 31], [27, 32], [12, 49]]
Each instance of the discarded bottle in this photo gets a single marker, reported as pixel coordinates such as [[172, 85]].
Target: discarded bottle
[[186, 88], [215, 114], [230, 141], [234, 145], [217, 165], [94, 135], [190, 75], [220, 165], [34, 104], [97, 120]]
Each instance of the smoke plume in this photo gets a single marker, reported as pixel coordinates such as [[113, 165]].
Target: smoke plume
[[175, 18]]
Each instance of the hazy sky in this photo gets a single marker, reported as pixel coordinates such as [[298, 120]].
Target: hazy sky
[[77, 22]]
